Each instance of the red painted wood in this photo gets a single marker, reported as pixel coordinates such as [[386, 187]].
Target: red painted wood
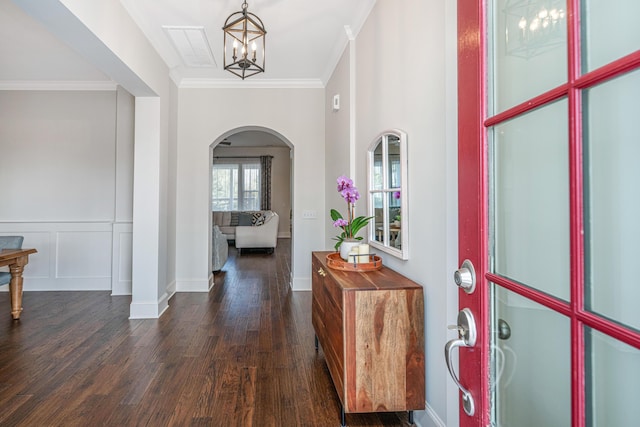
[[528, 105], [576, 215], [613, 69], [472, 191]]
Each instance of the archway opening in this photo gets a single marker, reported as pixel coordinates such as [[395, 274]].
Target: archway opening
[[235, 168]]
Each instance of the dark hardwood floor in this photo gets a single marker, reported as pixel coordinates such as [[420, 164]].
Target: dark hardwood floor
[[241, 355]]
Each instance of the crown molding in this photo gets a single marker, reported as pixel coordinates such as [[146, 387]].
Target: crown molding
[[250, 84], [350, 33], [57, 85]]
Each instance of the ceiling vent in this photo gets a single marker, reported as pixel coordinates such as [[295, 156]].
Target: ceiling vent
[[192, 45]]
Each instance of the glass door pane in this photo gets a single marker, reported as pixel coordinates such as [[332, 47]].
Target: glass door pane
[[531, 358], [529, 50], [530, 200], [613, 381], [610, 31], [612, 205]]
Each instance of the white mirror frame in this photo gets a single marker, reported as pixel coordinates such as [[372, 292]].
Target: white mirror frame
[[385, 245]]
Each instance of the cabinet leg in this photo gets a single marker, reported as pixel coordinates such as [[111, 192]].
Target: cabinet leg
[[315, 339], [410, 417], [343, 418]]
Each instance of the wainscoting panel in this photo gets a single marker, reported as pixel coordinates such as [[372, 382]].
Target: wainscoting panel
[[73, 256], [122, 252], [82, 254]]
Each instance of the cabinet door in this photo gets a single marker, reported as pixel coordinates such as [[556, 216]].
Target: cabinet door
[[387, 327]]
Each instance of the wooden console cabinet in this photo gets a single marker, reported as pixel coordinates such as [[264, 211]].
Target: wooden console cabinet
[[371, 328]]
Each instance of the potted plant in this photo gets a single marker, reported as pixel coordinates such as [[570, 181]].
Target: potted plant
[[350, 226]]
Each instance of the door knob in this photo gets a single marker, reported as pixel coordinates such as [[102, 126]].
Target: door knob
[[466, 338], [465, 277]]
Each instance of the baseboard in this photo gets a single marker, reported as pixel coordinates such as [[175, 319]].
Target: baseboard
[[436, 421], [301, 284], [67, 284], [193, 285], [120, 293], [149, 310], [171, 289]]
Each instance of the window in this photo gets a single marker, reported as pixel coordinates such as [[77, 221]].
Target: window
[[387, 193], [235, 184]]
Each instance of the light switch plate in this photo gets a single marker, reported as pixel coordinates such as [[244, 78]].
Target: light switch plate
[[308, 214]]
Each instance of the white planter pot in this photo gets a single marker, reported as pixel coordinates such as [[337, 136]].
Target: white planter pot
[[347, 246]]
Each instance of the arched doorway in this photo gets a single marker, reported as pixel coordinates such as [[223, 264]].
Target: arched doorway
[[242, 148]]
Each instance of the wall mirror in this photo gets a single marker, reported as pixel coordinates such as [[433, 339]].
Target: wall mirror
[[387, 170]]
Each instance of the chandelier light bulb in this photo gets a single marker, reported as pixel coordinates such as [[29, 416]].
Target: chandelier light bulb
[[539, 28], [535, 24], [522, 24]]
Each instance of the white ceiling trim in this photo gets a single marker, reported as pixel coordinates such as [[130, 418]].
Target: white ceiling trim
[[250, 84], [58, 85]]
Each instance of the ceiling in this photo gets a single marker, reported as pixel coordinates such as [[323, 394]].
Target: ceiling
[[250, 138], [304, 40]]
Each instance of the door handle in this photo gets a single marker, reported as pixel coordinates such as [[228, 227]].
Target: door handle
[[466, 338]]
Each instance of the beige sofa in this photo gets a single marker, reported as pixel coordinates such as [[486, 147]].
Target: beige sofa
[[255, 229]]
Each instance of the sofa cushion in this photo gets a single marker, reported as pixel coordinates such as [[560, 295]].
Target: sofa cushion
[[245, 218], [235, 217], [221, 218], [257, 219]]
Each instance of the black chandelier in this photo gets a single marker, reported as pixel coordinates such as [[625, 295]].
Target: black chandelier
[[244, 38]]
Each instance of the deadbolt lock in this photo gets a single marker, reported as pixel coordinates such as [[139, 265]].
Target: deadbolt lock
[[465, 277]]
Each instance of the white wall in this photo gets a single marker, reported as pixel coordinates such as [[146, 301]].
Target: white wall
[[58, 150], [205, 115], [280, 179], [122, 241], [405, 79], [337, 143], [69, 156], [107, 37]]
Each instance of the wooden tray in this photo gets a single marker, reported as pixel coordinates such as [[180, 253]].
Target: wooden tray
[[334, 261]]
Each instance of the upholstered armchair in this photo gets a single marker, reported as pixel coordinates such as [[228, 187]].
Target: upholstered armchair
[[259, 236], [220, 249], [9, 242]]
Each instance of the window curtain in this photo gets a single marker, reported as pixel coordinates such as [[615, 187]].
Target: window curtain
[[265, 183]]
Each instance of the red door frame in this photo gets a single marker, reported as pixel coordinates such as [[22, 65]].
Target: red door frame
[[473, 206]]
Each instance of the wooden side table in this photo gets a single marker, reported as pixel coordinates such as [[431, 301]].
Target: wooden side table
[[371, 328]]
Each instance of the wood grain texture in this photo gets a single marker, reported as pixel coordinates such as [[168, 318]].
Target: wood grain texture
[[16, 260], [382, 337], [240, 355]]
